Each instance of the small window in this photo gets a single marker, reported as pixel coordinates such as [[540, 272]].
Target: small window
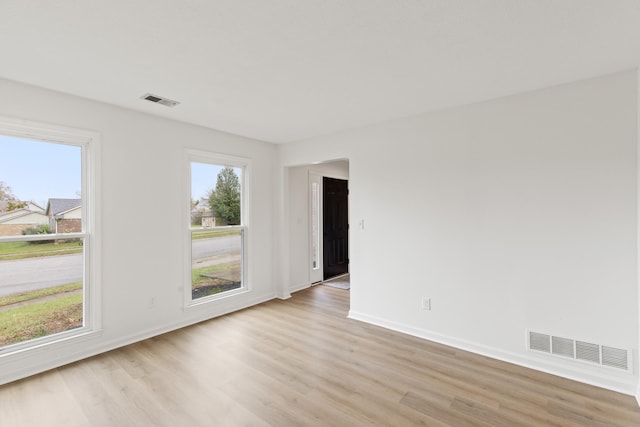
[[45, 198], [217, 226]]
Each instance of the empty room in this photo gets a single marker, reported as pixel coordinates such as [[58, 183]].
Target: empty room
[[347, 213]]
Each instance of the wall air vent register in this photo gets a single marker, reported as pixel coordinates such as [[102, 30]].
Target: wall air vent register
[[579, 350]]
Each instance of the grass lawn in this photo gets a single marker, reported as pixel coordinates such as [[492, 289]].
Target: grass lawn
[[202, 286], [40, 318], [20, 250], [38, 293], [197, 278], [211, 233]]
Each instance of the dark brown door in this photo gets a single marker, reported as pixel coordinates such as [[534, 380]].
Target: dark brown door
[[335, 226]]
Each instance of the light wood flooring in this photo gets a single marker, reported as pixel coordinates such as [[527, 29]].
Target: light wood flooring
[[302, 362]]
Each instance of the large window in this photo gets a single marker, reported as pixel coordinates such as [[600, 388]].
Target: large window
[[45, 240], [217, 226]]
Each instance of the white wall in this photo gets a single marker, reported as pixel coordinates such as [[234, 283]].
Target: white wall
[[638, 226], [298, 228], [142, 166], [298, 223], [514, 214]]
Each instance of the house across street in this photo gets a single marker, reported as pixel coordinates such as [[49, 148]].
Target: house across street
[[13, 222], [62, 216]]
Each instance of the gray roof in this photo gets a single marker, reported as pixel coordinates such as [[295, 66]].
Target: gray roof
[[56, 206]]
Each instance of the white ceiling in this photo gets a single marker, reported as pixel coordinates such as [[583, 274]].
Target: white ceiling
[[286, 70]]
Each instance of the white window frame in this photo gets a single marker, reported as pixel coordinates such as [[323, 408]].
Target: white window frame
[[206, 157], [89, 142]]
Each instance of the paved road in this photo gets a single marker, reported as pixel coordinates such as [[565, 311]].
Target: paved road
[[219, 246], [37, 273]]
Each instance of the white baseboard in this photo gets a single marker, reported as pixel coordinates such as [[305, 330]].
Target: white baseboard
[[55, 354], [299, 287], [601, 377], [638, 394], [283, 295]]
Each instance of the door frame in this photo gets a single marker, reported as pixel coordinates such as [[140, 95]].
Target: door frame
[[316, 274]]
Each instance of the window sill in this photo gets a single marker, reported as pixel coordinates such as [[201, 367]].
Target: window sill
[[210, 300], [62, 339]]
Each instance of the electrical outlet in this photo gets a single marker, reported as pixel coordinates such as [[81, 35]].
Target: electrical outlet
[[426, 303]]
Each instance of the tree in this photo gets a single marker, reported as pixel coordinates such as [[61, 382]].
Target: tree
[[224, 200], [196, 212], [11, 206], [7, 197]]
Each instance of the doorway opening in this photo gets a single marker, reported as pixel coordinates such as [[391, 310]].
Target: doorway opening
[[328, 221], [310, 254]]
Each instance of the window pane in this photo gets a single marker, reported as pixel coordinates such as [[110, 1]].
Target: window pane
[[217, 232], [41, 281], [40, 187], [41, 288], [216, 261], [215, 195]]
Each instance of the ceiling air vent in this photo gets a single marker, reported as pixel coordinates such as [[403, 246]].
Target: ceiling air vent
[[160, 100], [580, 350]]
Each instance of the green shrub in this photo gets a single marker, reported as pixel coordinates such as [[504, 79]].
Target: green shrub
[[38, 229]]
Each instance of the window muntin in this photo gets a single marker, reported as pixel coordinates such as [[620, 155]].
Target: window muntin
[[47, 291], [217, 227]]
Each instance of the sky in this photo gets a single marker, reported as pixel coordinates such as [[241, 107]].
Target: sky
[[37, 171], [204, 177]]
